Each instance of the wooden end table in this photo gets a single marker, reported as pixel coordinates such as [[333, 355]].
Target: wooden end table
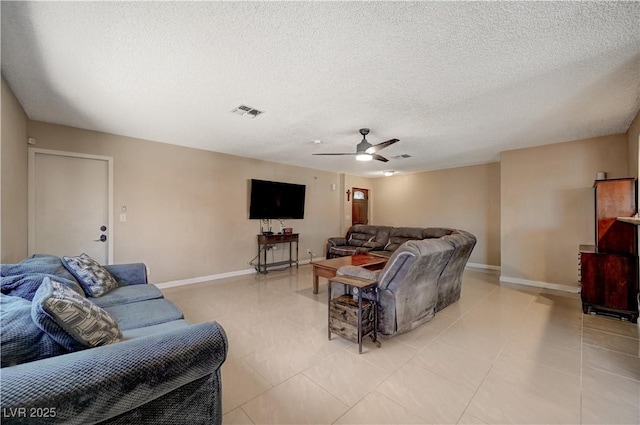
[[340, 320], [328, 268]]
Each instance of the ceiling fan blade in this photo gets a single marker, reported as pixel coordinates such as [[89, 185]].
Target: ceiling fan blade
[[379, 157], [334, 154], [380, 146]]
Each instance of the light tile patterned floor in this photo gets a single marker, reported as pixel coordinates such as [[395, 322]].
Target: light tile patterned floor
[[502, 354]]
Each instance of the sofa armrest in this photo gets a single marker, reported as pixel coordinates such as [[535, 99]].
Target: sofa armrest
[[361, 272], [352, 280], [128, 274], [96, 384], [337, 241]]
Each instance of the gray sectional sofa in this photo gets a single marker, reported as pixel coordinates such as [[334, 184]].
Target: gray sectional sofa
[[422, 276], [163, 370], [380, 240]]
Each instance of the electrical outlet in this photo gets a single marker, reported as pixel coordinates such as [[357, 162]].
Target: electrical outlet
[[148, 271]]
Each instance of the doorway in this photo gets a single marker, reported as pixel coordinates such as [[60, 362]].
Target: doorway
[[70, 204], [360, 206]]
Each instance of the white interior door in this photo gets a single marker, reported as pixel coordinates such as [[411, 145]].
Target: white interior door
[[70, 204]]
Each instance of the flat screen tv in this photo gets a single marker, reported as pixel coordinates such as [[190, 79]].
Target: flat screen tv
[[275, 200]]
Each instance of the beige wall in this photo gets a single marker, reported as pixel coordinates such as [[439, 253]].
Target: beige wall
[[187, 209], [465, 198], [13, 204], [633, 138], [547, 205]]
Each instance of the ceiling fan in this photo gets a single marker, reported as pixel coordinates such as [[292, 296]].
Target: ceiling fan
[[365, 151]]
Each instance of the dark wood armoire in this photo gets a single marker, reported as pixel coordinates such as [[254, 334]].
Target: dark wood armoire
[[609, 269]]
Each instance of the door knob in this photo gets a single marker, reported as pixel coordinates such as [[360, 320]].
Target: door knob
[[103, 238]]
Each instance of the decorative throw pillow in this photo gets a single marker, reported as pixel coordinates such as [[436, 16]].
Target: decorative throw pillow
[[71, 320], [21, 340], [94, 279]]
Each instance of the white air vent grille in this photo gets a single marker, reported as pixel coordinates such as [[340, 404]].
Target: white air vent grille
[[403, 156], [247, 111]]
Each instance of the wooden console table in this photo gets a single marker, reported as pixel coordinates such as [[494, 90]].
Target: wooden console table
[[264, 241]]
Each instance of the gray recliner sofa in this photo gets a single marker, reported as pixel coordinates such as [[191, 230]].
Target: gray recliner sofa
[[380, 241], [360, 239], [421, 278]]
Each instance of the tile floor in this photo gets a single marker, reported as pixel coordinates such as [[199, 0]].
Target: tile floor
[[502, 354]]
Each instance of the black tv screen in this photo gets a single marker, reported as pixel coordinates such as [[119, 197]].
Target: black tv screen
[[271, 200]]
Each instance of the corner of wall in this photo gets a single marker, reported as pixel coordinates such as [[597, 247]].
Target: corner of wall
[[633, 139], [13, 193]]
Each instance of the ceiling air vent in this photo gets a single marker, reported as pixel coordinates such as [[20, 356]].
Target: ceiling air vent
[[247, 111], [403, 156]]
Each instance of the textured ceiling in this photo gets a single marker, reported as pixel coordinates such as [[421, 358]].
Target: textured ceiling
[[456, 82]]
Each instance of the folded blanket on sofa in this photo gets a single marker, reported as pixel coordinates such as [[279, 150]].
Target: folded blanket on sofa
[[23, 279]]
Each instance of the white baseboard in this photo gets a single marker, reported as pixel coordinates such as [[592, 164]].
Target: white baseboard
[[200, 279], [540, 284], [483, 266]]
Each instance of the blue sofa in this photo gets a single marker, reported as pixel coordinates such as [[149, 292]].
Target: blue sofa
[[163, 371]]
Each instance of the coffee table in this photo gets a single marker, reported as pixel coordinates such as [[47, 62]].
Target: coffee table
[[328, 268]]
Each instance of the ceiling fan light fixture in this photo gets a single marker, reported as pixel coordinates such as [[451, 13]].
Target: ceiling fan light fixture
[[365, 151], [364, 157]]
